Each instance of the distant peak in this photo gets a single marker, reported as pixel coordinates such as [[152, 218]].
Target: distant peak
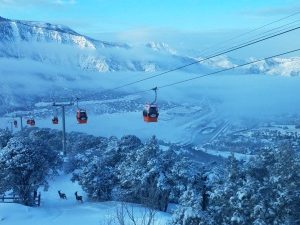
[[160, 46]]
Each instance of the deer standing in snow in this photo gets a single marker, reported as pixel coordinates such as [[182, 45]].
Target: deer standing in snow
[[78, 197], [62, 195]]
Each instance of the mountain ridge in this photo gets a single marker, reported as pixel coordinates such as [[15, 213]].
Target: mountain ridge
[[60, 45]]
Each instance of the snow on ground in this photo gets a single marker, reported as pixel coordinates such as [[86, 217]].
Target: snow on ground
[[283, 129], [55, 211], [93, 102], [226, 154]]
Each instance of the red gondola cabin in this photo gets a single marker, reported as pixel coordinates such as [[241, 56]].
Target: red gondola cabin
[[81, 116], [55, 120], [150, 113], [31, 122]]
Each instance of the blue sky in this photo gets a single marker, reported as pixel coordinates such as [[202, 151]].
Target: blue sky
[[150, 19], [119, 15]]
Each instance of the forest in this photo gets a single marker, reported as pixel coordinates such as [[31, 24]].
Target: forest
[[263, 190]]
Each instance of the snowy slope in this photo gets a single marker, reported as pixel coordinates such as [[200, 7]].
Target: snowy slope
[[59, 45], [32, 31], [59, 212], [276, 66]]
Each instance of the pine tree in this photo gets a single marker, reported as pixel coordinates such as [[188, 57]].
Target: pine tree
[[263, 191], [189, 212], [96, 169], [98, 179], [25, 165], [5, 135]]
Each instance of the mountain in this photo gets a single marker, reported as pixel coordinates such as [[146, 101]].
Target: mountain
[[30, 31], [60, 46], [276, 66], [161, 46], [53, 44]]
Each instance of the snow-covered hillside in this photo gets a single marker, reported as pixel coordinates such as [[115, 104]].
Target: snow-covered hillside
[[58, 45], [54, 210], [277, 66], [32, 31]]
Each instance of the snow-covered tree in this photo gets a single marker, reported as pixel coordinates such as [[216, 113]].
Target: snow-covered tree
[[95, 169], [191, 181], [25, 165], [127, 170], [262, 191], [81, 148], [129, 143], [154, 177], [183, 173], [189, 211], [277, 177], [5, 135], [80, 142], [98, 179], [51, 138], [139, 173]]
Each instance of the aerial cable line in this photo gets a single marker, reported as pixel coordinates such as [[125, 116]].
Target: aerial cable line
[[261, 37], [265, 34], [231, 68], [255, 41], [251, 31], [178, 68], [217, 72]]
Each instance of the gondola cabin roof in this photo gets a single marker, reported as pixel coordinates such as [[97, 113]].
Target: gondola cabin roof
[[148, 106]]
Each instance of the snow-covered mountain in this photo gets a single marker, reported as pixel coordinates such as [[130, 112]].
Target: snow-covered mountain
[[58, 45], [31, 31], [61, 46], [53, 44], [277, 66], [161, 46]]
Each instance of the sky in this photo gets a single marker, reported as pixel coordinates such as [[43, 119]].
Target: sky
[[182, 22], [120, 15]]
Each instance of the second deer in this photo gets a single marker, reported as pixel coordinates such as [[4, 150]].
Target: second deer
[[78, 197]]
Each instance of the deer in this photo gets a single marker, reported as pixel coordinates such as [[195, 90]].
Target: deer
[[62, 195], [78, 197]]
